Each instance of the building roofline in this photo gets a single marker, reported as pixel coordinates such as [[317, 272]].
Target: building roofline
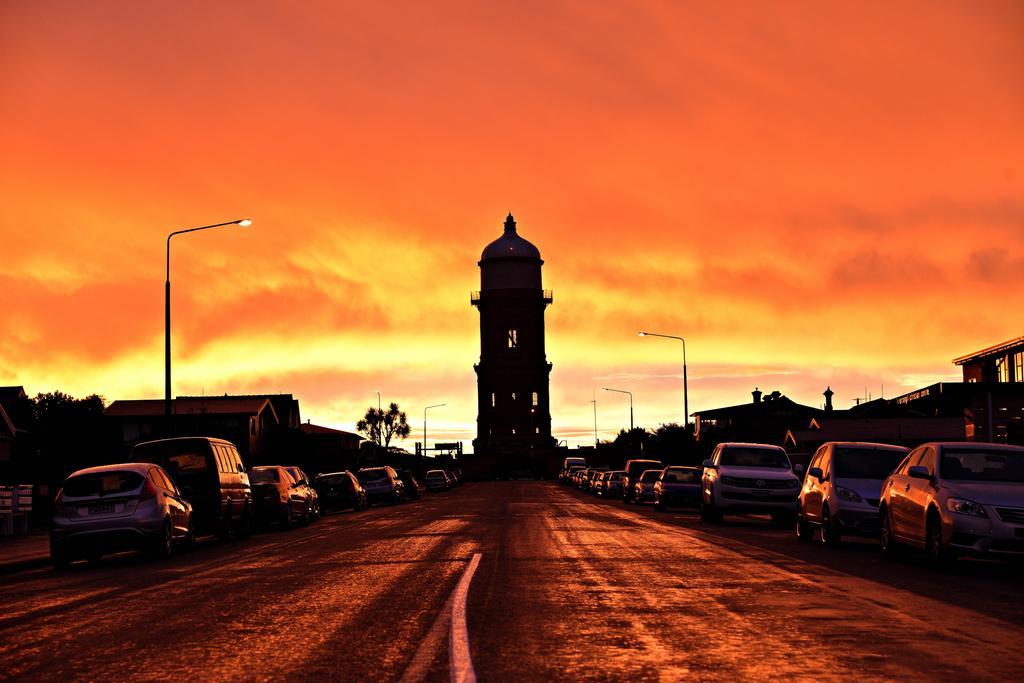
[[995, 348]]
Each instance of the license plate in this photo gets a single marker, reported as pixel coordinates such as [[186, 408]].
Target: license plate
[[103, 509]]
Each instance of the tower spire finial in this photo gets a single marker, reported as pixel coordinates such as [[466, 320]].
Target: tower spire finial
[[510, 223]]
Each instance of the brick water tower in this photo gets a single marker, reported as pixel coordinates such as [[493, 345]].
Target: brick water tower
[[513, 411]]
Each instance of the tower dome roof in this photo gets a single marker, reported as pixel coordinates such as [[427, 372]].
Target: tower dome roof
[[510, 245]]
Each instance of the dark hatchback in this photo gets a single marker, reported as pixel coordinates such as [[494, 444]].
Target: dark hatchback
[[340, 491], [677, 486]]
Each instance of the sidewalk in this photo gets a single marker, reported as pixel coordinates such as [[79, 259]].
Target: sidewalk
[[24, 551]]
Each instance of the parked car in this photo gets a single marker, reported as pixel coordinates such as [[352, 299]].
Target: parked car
[[118, 507], [577, 478], [612, 484], [593, 478], [340, 491], [460, 478], [437, 480], [277, 497], [750, 478], [956, 499], [302, 482], [567, 467], [569, 476], [209, 474], [382, 485], [842, 488], [633, 469], [643, 489], [677, 485], [411, 487]]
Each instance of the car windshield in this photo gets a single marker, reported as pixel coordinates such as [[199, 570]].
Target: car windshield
[[639, 467], [682, 476], [738, 456], [372, 474], [615, 476], [102, 484], [175, 456], [979, 464], [264, 476], [332, 479], [650, 475], [852, 462]]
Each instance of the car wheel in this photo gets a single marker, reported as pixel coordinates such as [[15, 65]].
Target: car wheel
[[782, 520], [939, 556], [244, 528], [886, 541], [829, 533], [59, 557], [163, 544], [709, 512], [804, 532], [190, 537], [227, 525]]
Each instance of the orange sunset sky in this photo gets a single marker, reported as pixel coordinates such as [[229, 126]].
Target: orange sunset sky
[[812, 193]]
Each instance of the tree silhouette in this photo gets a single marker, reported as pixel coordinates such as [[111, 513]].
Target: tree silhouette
[[380, 426]]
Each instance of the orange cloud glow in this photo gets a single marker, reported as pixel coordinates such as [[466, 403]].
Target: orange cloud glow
[[811, 193]]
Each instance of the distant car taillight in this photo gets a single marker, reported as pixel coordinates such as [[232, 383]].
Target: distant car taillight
[[148, 491]]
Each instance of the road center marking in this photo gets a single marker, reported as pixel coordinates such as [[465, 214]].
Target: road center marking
[[460, 662]]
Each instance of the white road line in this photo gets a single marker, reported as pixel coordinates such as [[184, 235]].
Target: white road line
[[423, 659], [460, 663]]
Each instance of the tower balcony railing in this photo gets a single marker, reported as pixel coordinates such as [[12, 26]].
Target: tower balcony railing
[[547, 296]]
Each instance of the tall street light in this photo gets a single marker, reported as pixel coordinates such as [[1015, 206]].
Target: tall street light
[[630, 394], [686, 402], [437, 405], [242, 223]]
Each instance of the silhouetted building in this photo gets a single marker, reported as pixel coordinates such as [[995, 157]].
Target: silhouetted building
[[765, 419], [1001, 363], [514, 416], [990, 411], [249, 422]]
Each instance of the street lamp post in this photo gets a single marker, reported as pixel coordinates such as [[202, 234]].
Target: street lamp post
[[630, 394], [438, 405], [686, 402], [241, 222]]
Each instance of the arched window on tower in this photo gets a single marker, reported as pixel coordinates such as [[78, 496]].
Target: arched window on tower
[[494, 399], [513, 339], [513, 397], [536, 399]]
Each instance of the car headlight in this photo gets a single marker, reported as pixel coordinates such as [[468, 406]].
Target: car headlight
[[848, 495], [965, 507], [793, 484]]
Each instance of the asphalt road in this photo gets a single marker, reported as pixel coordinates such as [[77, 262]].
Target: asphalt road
[[566, 588]]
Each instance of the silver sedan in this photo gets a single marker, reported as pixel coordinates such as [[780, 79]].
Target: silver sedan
[[956, 499], [118, 507]]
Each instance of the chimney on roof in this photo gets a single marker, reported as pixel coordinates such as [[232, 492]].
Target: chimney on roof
[[828, 398], [756, 394]]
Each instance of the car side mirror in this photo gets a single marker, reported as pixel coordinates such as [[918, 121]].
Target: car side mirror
[[709, 464], [816, 473], [918, 472]]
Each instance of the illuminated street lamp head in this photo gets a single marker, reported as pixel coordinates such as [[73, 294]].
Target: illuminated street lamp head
[[245, 222], [642, 334]]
